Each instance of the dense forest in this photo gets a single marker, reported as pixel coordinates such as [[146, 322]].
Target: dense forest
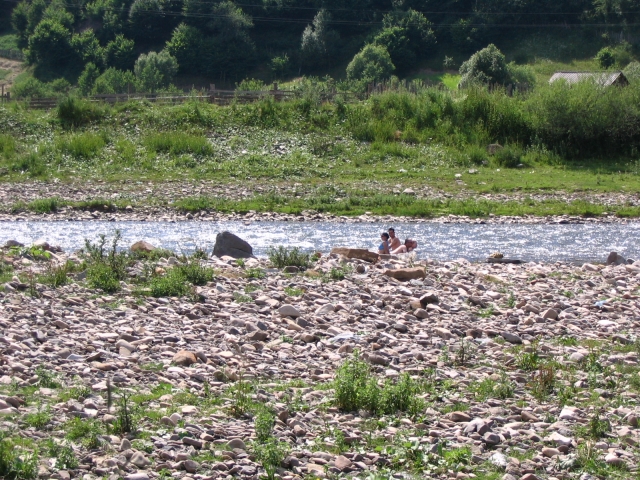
[[107, 46]]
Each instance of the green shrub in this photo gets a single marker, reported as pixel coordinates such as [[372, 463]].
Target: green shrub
[[264, 423], [45, 205], [57, 275], [105, 267], [507, 157], [486, 66], [39, 419], [372, 63], [281, 257], [74, 112], [102, 276], [357, 388], [172, 284], [271, 454], [86, 430], [196, 273], [606, 57], [16, 462]]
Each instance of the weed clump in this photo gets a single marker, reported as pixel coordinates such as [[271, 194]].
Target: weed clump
[[288, 257], [105, 268], [74, 112], [16, 462], [357, 388]]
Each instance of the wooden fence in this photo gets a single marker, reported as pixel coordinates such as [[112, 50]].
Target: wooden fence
[[226, 97], [213, 95], [11, 53]]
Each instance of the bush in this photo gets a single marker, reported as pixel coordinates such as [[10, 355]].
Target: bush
[[114, 81], [283, 257], [356, 388], [372, 63], [15, 461], [105, 268], [119, 53], [606, 57], [57, 275], [172, 284], [155, 70], [507, 157], [101, 276], [487, 66], [196, 273], [88, 78], [31, 88], [74, 112]]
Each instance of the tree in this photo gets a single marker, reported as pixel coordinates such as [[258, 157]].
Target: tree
[[397, 44], [486, 66], [372, 63], [114, 81], [155, 70], [50, 47], [88, 78], [415, 27], [186, 45], [318, 40], [119, 53], [87, 47], [146, 20]]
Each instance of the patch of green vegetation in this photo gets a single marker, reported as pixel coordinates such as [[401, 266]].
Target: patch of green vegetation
[[57, 275], [38, 419], [17, 461], [87, 431], [293, 291], [356, 388], [281, 257]]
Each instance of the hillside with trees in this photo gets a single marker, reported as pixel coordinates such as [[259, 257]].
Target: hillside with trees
[[109, 46]]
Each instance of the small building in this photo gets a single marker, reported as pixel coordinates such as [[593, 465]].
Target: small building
[[605, 79]]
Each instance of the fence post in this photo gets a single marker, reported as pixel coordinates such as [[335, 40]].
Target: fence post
[[2, 97]]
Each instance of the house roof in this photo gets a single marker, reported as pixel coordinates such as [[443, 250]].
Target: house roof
[[602, 78]]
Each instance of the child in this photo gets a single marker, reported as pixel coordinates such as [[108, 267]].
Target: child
[[384, 246]]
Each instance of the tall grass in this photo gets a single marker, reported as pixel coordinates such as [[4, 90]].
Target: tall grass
[[74, 112], [178, 144], [81, 145]]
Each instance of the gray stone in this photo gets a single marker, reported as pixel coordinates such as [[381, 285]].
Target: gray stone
[[511, 337], [231, 245]]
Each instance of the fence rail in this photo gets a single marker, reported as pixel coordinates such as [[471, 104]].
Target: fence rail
[[226, 97], [11, 53]]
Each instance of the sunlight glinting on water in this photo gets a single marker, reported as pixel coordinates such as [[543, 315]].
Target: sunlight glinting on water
[[573, 243]]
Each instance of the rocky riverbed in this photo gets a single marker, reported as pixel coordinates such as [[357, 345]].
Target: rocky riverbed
[[493, 371]]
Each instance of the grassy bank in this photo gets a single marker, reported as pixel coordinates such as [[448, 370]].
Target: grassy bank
[[348, 158]]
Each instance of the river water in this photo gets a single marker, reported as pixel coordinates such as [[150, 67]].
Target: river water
[[547, 243]]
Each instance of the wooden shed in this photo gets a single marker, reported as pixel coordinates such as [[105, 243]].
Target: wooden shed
[[605, 79]]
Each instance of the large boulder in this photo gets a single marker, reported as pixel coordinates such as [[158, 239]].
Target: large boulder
[[231, 245], [359, 253]]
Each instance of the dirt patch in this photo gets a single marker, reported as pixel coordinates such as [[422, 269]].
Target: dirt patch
[[15, 67]]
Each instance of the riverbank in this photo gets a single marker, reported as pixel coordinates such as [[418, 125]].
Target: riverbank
[[208, 200], [491, 371]]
